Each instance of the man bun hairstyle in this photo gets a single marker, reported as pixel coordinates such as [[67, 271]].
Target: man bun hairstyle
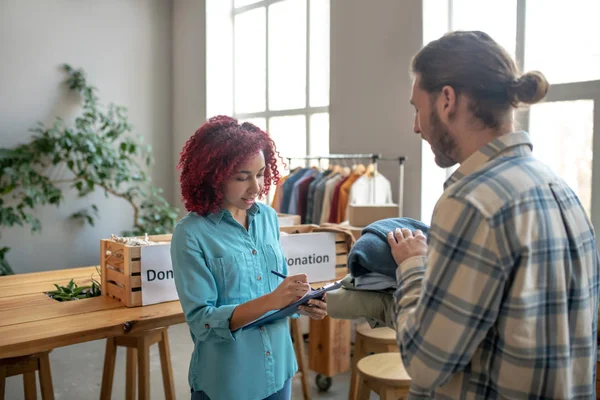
[[475, 65], [529, 88]]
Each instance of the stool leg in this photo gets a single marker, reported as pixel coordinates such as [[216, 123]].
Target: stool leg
[[2, 381], [130, 374], [29, 386], [143, 350], [165, 363], [46, 377], [388, 394], [358, 354], [364, 392], [299, 349], [110, 355]]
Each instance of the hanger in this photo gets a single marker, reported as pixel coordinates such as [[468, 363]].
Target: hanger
[[371, 170], [346, 171], [360, 169]]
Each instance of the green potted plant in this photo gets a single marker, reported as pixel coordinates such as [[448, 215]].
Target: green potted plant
[[98, 151]]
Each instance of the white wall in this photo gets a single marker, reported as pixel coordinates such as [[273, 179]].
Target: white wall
[[189, 83], [372, 43], [125, 48]]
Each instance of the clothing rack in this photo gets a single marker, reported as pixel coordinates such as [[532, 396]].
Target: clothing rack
[[375, 158]]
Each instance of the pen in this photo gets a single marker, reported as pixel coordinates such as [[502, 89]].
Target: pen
[[283, 276]]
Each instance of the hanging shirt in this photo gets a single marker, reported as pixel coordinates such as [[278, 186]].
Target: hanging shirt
[[310, 199], [288, 187], [335, 202], [302, 197], [362, 191], [345, 195], [276, 203], [328, 197], [217, 265], [293, 203], [318, 199]]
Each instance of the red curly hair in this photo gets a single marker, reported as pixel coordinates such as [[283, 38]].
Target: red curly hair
[[214, 153]]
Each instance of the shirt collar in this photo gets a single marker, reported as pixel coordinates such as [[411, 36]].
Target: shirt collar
[[516, 143], [216, 217]]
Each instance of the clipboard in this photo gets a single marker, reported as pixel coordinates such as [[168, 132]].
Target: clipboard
[[293, 307]]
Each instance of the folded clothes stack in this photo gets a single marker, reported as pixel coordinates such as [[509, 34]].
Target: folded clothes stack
[[367, 292]]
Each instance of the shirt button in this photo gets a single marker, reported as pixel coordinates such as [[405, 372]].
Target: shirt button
[[206, 326], [268, 353], [262, 328], [254, 251], [259, 277]]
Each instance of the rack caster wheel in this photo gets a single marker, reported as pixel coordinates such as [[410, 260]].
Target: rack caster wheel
[[323, 382]]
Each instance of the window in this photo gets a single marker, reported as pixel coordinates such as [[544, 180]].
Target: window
[[569, 57], [268, 63]]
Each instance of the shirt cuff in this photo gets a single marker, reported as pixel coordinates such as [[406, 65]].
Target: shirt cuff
[[219, 323], [412, 265]]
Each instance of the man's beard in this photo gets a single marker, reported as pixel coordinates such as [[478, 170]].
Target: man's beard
[[442, 144]]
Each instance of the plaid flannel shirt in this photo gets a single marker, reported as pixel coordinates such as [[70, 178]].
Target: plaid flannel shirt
[[505, 304]]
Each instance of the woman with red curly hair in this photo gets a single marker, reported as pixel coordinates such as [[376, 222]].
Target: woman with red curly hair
[[223, 252]]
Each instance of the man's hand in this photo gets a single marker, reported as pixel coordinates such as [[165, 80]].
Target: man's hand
[[406, 244]]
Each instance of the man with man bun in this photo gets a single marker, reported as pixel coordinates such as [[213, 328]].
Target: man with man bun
[[501, 299]]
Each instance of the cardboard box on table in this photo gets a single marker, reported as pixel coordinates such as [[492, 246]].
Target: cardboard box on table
[[361, 215]]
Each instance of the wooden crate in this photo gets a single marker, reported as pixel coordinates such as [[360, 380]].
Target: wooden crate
[[329, 339], [121, 270]]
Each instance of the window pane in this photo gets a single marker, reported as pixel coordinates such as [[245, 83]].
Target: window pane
[[260, 122], [550, 124], [249, 62], [496, 18], [219, 58], [319, 53], [287, 55], [435, 19], [319, 136], [562, 39], [289, 134], [241, 3]]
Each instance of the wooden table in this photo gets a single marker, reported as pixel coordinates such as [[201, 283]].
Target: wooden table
[[31, 322]]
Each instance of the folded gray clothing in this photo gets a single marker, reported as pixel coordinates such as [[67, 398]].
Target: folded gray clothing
[[349, 303], [371, 252], [374, 281]]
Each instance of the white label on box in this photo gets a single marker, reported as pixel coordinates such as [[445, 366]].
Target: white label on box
[[158, 283], [312, 254], [286, 221]]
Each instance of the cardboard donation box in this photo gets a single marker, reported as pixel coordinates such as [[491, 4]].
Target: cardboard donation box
[[138, 275], [361, 215], [288, 219]]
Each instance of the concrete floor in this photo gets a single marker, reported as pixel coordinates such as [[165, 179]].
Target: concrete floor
[[77, 373]]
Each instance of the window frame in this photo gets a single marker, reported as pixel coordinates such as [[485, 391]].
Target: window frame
[[307, 111], [585, 90]]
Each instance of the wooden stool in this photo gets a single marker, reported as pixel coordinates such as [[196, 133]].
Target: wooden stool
[[385, 375], [138, 349], [368, 341], [27, 366], [300, 359]]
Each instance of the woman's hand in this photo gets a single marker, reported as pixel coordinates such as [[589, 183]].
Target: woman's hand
[[291, 289], [317, 309]]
